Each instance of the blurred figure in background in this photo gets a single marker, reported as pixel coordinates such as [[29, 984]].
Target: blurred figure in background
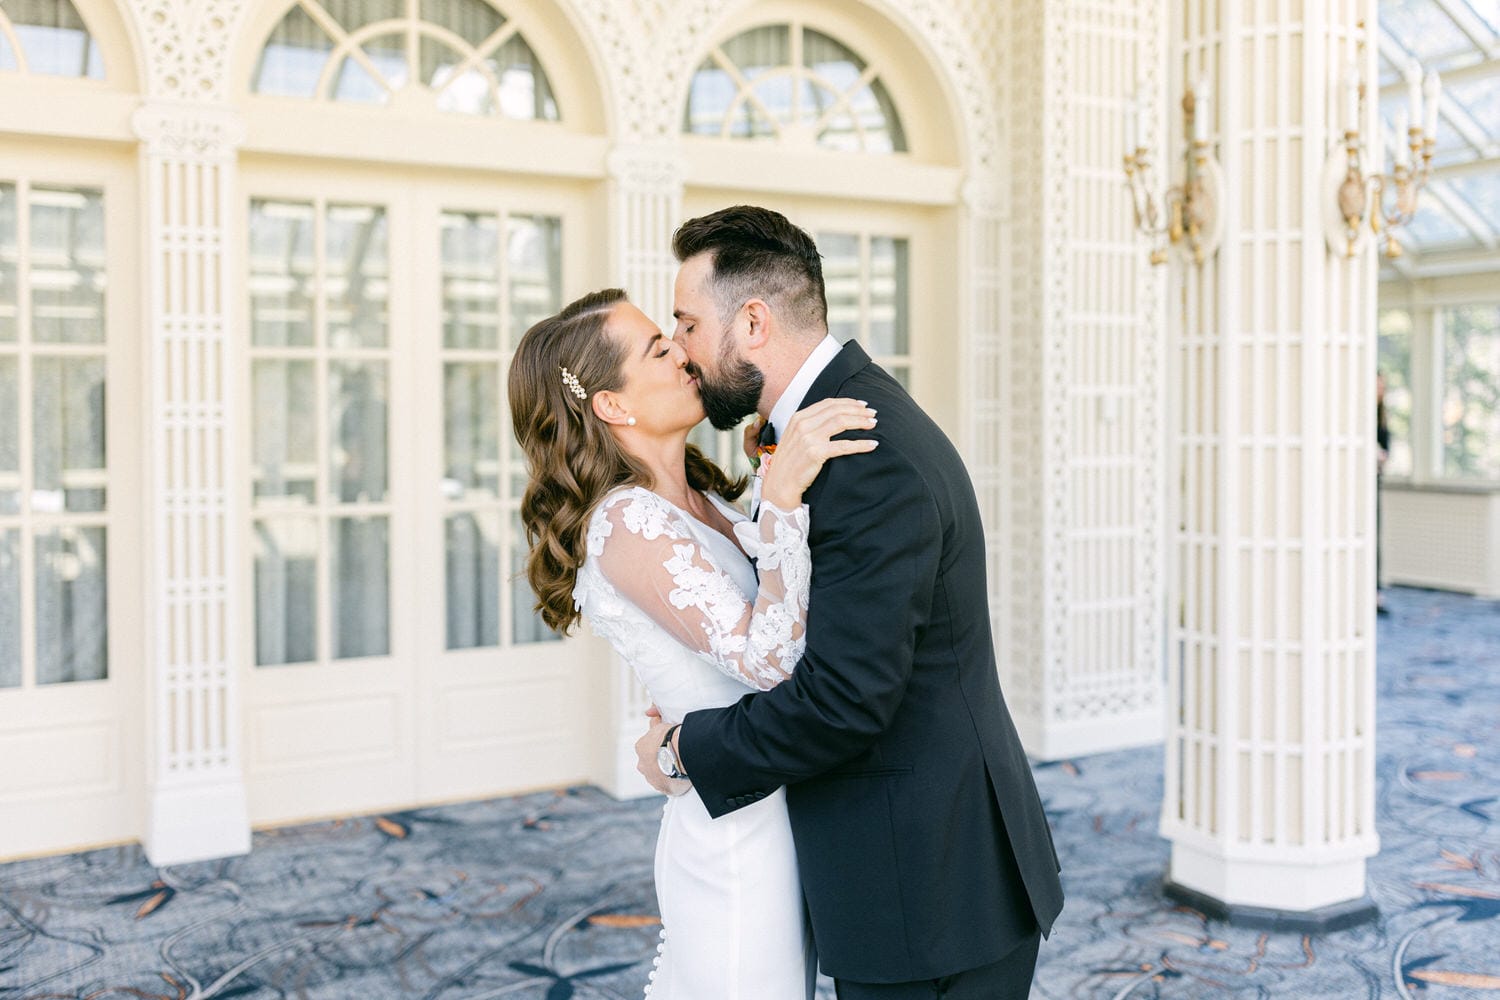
[[1382, 452]]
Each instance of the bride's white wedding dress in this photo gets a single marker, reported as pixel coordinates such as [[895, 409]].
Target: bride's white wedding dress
[[681, 603]]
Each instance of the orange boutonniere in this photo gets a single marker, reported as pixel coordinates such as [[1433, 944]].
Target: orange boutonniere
[[762, 459]]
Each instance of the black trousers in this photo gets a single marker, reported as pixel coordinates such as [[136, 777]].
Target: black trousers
[[1007, 979]]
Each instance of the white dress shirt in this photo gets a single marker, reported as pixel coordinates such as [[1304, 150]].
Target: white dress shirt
[[791, 400], [796, 390]]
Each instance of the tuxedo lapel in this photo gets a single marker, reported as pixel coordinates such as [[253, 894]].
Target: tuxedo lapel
[[848, 361], [844, 364]]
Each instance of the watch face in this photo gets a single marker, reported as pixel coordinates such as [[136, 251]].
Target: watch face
[[667, 761]]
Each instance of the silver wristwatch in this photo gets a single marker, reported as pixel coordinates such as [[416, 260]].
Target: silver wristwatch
[[666, 757]]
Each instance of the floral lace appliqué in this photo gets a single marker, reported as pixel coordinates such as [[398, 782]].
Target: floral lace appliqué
[[656, 567]]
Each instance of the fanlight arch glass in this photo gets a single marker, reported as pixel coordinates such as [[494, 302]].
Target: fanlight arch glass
[[47, 37], [790, 83], [464, 54]]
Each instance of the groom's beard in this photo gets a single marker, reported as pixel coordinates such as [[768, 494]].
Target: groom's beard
[[732, 395]]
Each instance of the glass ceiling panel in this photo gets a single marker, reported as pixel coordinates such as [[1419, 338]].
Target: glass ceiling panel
[[1421, 28], [1432, 228], [1481, 99], [1468, 128], [1482, 192], [1489, 10]]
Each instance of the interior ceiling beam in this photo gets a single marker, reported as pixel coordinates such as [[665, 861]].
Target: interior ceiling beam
[[1468, 168], [1401, 265], [1441, 265], [1474, 29], [1483, 70], [1460, 209]]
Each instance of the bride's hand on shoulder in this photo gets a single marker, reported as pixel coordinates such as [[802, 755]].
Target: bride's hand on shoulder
[[808, 444], [751, 437]]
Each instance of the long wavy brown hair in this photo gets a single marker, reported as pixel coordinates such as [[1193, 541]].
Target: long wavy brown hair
[[571, 456]]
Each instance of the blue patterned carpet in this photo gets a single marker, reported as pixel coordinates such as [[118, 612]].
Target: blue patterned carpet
[[549, 896]]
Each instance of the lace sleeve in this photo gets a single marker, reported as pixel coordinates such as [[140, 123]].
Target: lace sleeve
[[652, 559]]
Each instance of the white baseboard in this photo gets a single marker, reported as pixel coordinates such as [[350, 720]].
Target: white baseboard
[[197, 822], [1082, 737]]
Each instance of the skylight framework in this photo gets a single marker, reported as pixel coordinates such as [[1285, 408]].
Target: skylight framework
[[1457, 230]]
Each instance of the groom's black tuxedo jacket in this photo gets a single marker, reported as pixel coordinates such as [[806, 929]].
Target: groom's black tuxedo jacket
[[921, 842]]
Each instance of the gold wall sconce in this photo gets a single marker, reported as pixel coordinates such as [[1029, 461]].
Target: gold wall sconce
[[1188, 215], [1355, 201]]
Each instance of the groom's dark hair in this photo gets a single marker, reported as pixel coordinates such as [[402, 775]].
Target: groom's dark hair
[[758, 253]]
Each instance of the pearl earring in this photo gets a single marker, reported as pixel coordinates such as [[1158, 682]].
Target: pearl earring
[[630, 421]]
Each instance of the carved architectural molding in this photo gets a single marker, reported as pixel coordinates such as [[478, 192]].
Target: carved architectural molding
[[190, 130], [187, 46], [984, 195], [648, 167]]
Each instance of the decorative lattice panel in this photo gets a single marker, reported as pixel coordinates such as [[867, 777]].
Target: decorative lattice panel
[[1270, 750]]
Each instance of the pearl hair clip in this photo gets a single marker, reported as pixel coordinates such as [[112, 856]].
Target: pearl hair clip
[[574, 386]]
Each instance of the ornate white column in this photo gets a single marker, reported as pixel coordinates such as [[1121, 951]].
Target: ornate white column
[[196, 805], [985, 261], [645, 208], [1269, 799], [1082, 542], [645, 196]]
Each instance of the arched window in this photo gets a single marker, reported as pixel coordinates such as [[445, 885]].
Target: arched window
[[462, 54], [47, 37], [790, 83]]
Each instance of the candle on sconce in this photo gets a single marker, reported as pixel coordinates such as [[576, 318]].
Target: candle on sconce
[[1132, 122], [1351, 98], [1201, 105], [1403, 149], [1413, 75], [1432, 90]]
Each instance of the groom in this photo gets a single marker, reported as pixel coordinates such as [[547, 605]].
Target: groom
[[925, 858]]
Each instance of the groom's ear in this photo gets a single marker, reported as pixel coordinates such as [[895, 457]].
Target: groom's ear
[[759, 315]]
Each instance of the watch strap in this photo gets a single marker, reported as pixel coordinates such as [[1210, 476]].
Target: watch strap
[[677, 771]]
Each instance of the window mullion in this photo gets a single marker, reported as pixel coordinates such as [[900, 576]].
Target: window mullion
[[325, 20], [413, 43], [322, 505], [1433, 459], [504, 338], [864, 288], [22, 66], [488, 47], [741, 97], [350, 48], [798, 73], [841, 100], [26, 451]]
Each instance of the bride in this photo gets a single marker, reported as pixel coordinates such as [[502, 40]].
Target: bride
[[635, 530]]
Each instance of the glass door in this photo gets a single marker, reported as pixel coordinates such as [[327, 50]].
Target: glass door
[[70, 642], [396, 655], [505, 702], [329, 692]]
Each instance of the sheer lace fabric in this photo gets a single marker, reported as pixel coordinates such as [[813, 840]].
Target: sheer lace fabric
[[644, 549]]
